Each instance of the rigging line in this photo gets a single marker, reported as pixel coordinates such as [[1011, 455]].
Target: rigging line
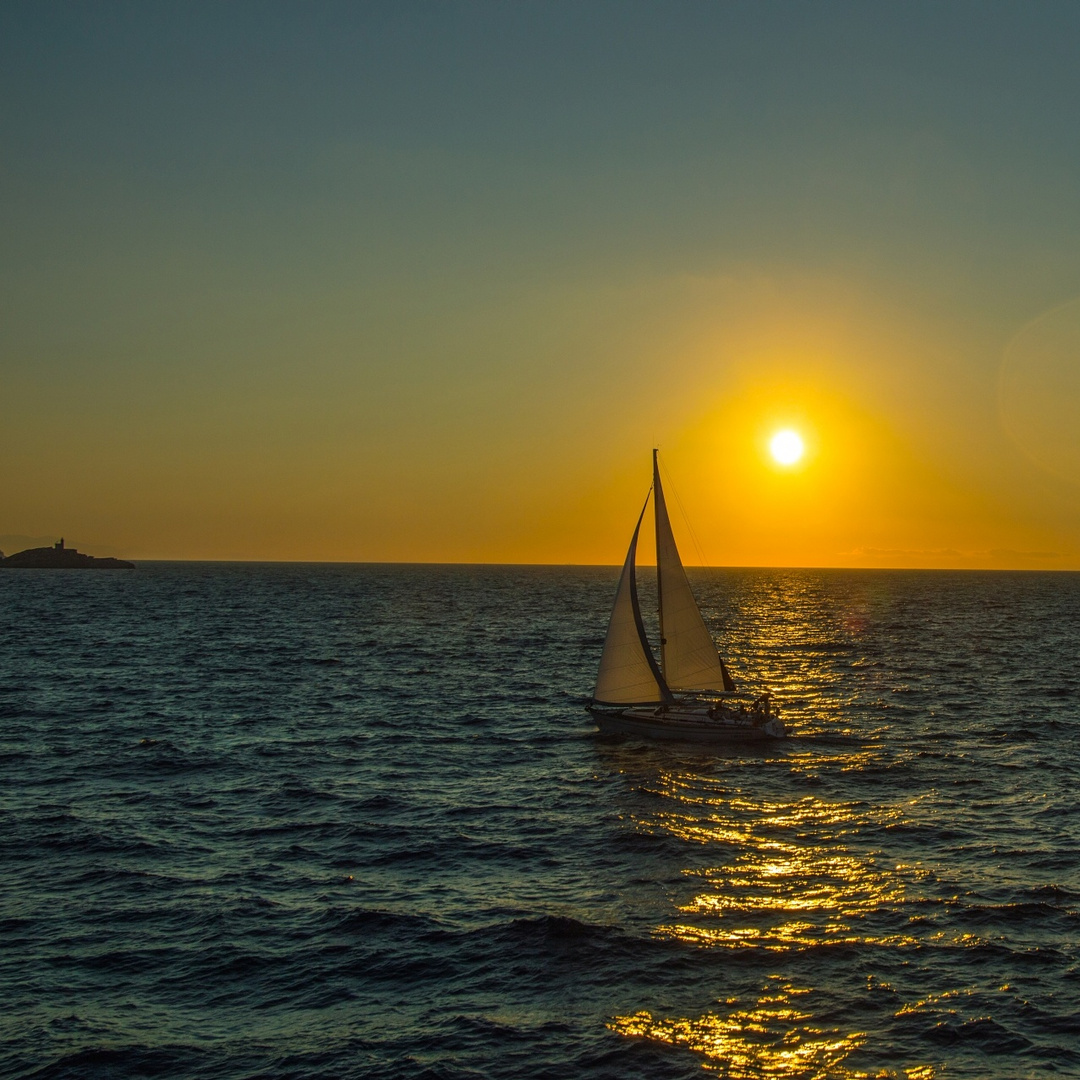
[[686, 517]]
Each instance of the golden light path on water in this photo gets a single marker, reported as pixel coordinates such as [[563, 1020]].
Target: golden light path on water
[[780, 876], [783, 881], [771, 875]]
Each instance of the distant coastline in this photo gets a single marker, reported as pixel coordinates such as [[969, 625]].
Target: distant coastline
[[59, 557]]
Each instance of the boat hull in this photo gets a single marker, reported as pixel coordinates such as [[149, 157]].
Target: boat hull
[[686, 725]]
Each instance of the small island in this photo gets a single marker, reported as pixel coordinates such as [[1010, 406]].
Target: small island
[[59, 557]]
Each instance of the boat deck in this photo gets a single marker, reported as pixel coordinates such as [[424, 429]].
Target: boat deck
[[693, 723]]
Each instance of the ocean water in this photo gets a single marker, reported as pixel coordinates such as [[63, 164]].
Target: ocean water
[[352, 821]]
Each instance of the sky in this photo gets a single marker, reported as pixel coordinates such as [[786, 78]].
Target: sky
[[427, 281]]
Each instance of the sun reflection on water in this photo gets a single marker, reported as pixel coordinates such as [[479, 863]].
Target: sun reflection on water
[[786, 878], [770, 1039], [773, 1038], [800, 636], [781, 878]]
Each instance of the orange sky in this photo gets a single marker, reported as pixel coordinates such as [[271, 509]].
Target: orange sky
[[430, 288]]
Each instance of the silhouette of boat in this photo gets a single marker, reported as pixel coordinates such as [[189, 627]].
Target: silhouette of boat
[[689, 694]]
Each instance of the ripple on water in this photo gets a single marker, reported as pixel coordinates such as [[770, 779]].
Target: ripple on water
[[350, 821]]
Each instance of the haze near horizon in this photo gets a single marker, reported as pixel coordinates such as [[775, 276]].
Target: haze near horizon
[[419, 282]]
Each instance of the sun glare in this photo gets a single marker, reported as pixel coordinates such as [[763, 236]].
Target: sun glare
[[786, 447]]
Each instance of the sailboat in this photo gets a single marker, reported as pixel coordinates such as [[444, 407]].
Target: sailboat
[[689, 694]]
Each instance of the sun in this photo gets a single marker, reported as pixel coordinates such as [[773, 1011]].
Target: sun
[[786, 447]]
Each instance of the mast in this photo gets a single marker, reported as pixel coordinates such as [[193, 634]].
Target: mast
[[658, 504], [688, 656]]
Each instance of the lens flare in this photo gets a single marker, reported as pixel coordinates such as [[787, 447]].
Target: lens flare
[[786, 447]]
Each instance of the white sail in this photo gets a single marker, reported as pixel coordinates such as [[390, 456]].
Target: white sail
[[628, 673], [688, 657]]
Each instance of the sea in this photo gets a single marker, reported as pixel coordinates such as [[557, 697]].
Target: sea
[[340, 821]]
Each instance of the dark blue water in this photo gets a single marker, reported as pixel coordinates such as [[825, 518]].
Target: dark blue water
[[352, 821]]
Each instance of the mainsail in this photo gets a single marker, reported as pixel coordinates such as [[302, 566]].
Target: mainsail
[[628, 673], [688, 657]]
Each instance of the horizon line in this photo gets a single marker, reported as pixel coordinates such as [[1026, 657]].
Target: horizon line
[[589, 565]]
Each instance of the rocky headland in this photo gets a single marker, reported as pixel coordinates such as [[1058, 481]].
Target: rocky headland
[[59, 557]]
